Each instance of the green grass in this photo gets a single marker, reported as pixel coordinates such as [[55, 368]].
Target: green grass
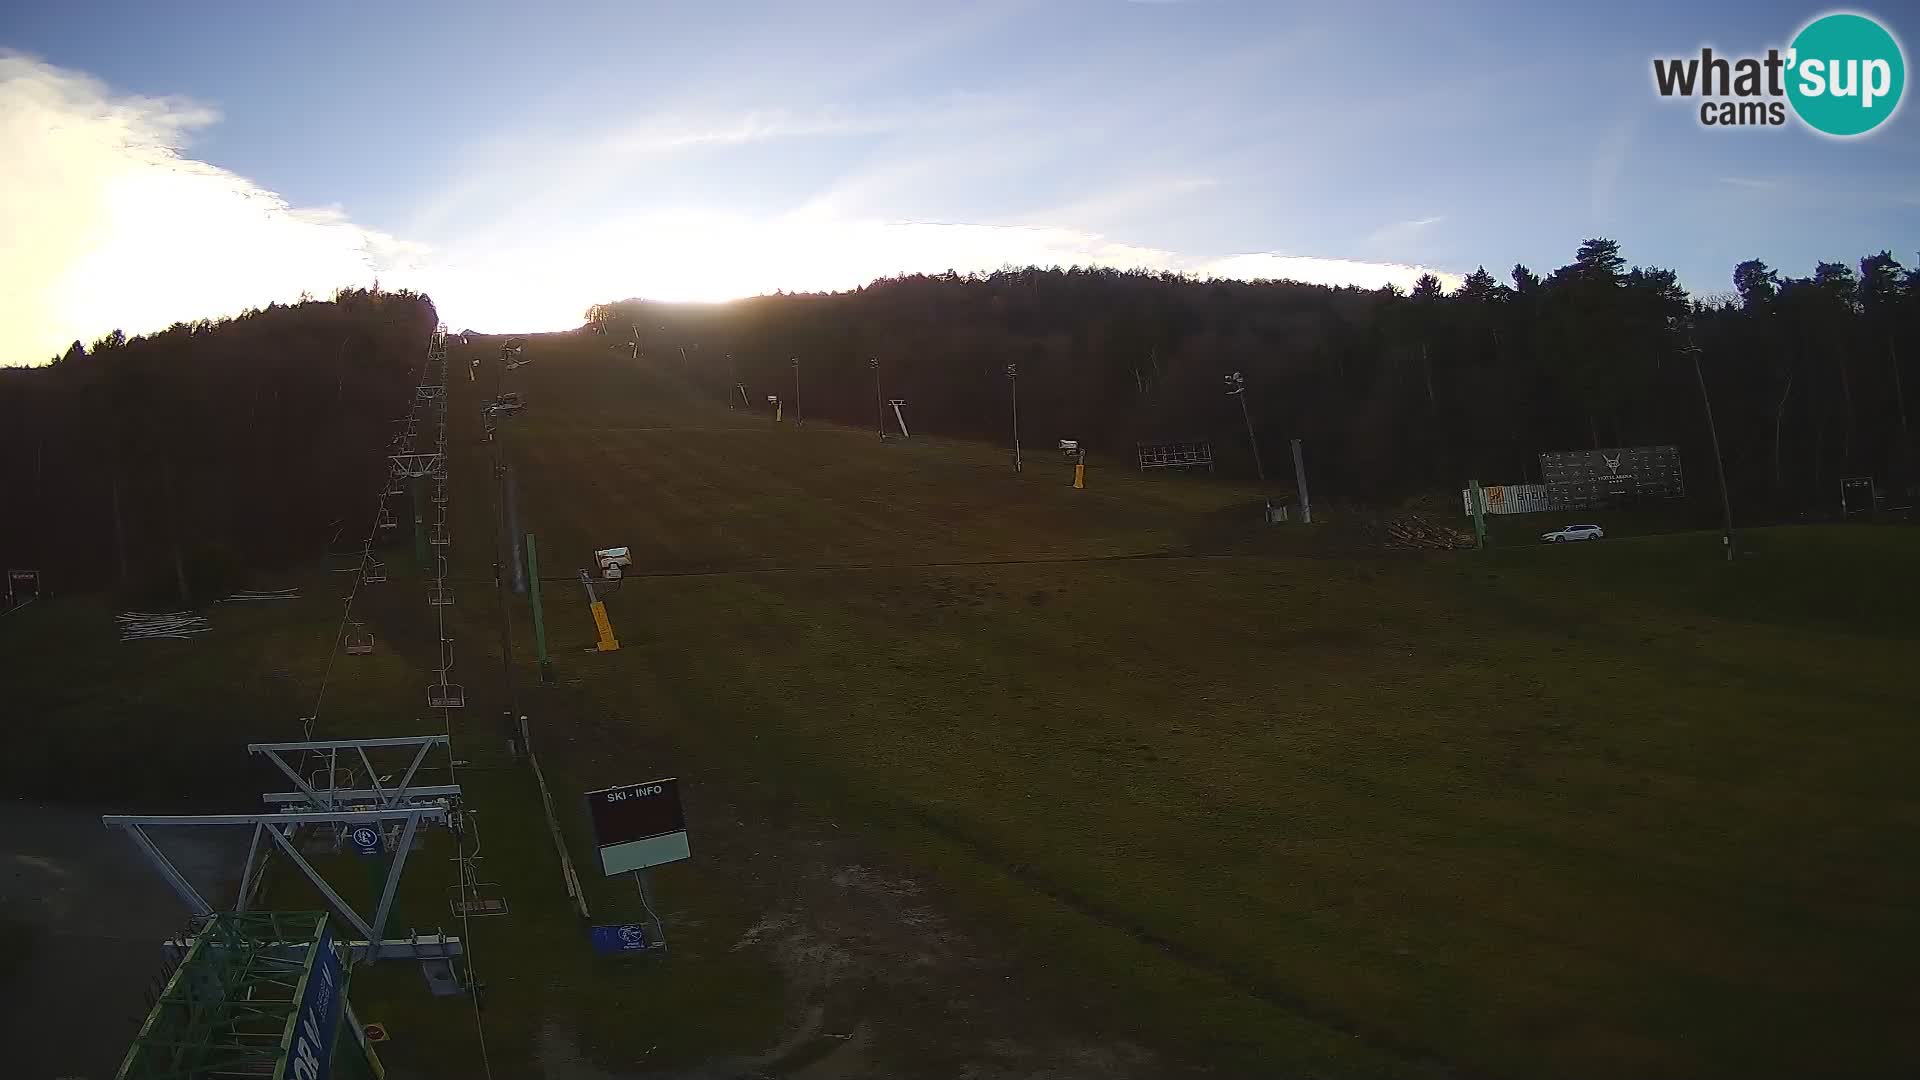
[[1594, 810]]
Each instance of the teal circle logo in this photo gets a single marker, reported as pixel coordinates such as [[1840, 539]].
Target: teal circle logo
[[1846, 74]]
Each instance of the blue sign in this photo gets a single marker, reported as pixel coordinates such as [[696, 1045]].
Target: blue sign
[[629, 937], [365, 839], [310, 1055]]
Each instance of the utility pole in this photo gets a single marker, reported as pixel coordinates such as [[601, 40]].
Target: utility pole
[[1720, 468], [879, 406], [1013, 382], [733, 380], [1237, 387], [797, 422]]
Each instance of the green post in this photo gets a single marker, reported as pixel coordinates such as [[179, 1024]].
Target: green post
[[419, 524], [539, 617], [1479, 519]]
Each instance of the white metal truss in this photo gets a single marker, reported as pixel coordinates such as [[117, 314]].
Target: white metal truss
[[418, 464], [280, 828], [415, 464], [331, 796]]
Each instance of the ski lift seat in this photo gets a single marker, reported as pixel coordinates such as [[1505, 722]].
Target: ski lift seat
[[359, 642], [487, 900], [446, 696]]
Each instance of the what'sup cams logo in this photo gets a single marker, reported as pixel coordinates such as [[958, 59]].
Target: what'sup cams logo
[[1842, 75]]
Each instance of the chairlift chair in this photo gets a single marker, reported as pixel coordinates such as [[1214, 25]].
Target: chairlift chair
[[446, 695], [342, 778], [375, 572], [487, 900], [473, 898], [439, 537], [359, 640], [439, 596]]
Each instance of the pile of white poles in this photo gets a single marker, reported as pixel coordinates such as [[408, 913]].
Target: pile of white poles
[[270, 594], [145, 626]]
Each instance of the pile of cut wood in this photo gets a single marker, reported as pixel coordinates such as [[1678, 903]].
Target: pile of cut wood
[[1417, 533]]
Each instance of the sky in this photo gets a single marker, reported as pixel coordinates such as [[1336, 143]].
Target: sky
[[520, 162]]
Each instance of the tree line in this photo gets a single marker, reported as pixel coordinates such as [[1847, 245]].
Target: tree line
[[171, 465], [1393, 392]]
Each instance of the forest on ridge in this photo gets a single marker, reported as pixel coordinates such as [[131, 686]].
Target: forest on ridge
[[1393, 393]]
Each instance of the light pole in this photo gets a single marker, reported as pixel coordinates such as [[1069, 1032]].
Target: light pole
[[1013, 382], [1237, 387], [1713, 433], [797, 422], [879, 406]]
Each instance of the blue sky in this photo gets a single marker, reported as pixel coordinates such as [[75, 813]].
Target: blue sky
[[521, 163]]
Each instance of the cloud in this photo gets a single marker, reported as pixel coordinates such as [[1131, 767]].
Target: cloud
[[104, 222], [1400, 234]]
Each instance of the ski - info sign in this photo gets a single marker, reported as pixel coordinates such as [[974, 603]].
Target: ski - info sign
[[638, 825]]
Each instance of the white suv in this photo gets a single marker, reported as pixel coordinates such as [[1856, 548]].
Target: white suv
[[1574, 532]]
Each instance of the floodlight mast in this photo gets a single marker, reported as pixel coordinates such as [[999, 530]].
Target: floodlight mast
[[879, 406], [1713, 433], [797, 422]]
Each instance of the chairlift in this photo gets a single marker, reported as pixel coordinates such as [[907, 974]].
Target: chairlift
[[473, 898], [387, 520], [487, 900], [440, 566], [439, 596], [359, 640], [446, 695], [375, 572], [341, 778], [439, 537], [440, 494]]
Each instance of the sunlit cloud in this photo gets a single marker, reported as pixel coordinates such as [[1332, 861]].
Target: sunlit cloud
[[104, 222], [108, 222]]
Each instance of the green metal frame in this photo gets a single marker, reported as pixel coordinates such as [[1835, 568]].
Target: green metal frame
[[229, 1007]]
